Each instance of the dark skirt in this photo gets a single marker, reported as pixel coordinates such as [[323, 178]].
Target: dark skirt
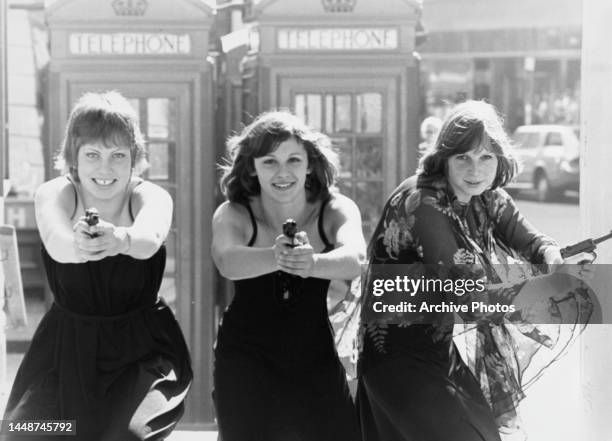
[[121, 379], [258, 399], [405, 398]]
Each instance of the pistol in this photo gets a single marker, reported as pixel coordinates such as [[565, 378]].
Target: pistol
[[586, 246], [287, 282], [92, 217], [290, 230]]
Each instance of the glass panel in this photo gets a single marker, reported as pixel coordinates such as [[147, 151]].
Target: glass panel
[[343, 147], [314, 109], [369, 158], [554, 138], [369, 199], [329, 113], [300, 106], [159, 160], [342, 113], [158, 110], [526, 140], [369, 113]]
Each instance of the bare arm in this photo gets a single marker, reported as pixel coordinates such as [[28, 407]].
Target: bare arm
[[234, 259], [344, 262], [53, 205], [152, 207]]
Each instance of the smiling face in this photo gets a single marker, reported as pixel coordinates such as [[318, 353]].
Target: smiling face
[[104, 172], [282, 172], [472, 172]]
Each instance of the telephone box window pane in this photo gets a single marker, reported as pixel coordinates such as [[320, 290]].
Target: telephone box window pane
[[369, 157], [342, 113], [329, 113], [158, 112], [300, 106], [313, 111], [159, 160], [343, 147], [369, 113], [369, 199]]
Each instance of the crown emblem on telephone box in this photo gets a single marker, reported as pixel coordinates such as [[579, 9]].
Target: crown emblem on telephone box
[[339, 5], [130, 7]]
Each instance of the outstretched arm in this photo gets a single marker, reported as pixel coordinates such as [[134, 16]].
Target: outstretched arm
[[54, 203], [152, 207], [449, 255], [512, 227], [233, 258]]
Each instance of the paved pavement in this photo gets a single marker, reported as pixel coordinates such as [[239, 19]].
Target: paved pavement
[[192, 436]]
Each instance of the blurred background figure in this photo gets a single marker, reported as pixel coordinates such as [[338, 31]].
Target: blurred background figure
[[430, 127]]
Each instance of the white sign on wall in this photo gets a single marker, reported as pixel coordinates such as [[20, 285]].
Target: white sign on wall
[[338, 39], [132, 43]]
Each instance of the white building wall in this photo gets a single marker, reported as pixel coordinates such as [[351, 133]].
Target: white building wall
[[596, 209], [26, 169]]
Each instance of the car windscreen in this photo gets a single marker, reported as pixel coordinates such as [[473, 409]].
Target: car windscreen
[[526, 140]]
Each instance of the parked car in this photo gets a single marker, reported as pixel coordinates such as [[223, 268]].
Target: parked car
[[548, 158]]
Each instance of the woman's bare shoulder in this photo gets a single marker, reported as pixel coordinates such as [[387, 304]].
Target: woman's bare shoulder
[[141, 190], [232, 213], [231, 223], [339, 210], [339, 203], [59, 190]]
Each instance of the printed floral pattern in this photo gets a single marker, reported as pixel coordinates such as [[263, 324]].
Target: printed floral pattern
[[485, 238]]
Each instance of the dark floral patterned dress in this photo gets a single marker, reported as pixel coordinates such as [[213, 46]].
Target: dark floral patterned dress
[[445, 376]]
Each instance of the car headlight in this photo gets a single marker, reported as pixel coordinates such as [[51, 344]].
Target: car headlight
[[567, 167]]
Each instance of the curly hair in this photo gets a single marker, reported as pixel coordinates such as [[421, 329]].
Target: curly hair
[[238, 180], [101, 117], [466, 127]]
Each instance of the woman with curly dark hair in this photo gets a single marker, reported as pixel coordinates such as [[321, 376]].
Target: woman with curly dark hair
[[277, 375]]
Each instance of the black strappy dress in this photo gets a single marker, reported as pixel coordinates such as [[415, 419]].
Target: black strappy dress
[[108, 354], [277, 375]]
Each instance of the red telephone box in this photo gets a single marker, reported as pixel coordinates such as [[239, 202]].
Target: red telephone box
[[155, 53]]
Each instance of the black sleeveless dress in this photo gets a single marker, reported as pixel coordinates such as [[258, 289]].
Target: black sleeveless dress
[[277, 375], [108, 354]]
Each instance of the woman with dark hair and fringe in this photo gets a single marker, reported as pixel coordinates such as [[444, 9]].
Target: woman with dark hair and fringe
[[422, 376], [277, 376], [109, 354]]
